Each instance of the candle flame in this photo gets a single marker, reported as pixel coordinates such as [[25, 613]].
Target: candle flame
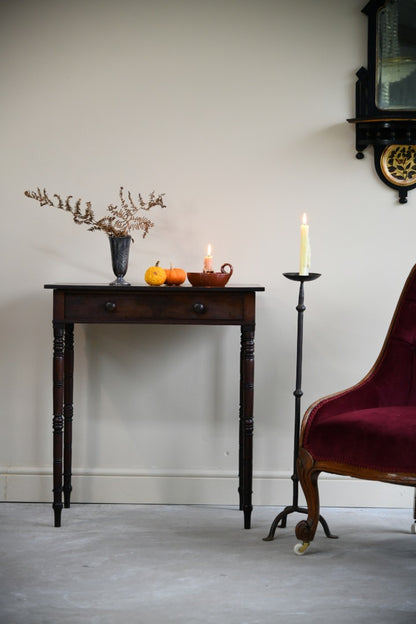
[[209, 250], [304, 219]]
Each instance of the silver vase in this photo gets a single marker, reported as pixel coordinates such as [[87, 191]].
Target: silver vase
[[120, 247]]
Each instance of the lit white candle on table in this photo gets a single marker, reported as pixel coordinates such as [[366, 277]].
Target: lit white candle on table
[[208, 261], [305, 248]]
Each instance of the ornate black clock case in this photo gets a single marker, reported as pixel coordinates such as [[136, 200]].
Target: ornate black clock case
[[386, 93]]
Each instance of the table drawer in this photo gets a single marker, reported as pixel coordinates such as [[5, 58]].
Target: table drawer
[[159, 306]]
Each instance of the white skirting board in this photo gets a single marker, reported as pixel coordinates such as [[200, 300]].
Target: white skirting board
[[195, 487]]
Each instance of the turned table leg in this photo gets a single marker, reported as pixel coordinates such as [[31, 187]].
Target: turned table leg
[[58, 421], [246, 422], [68, 410]]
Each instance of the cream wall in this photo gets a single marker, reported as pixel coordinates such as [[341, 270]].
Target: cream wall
[[236, 110]]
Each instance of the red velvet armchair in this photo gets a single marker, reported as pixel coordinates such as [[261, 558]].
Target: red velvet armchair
[[369, 430]]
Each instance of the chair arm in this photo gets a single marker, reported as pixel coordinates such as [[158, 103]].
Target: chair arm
[[360, 396]]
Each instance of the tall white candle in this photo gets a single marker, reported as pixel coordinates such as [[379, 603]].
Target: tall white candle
[[208, 261], [305, 247]]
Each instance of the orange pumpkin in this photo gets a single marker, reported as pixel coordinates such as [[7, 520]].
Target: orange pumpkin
[[174, 276]]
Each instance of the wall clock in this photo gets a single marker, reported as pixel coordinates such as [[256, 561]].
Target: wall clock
[[386, 93]]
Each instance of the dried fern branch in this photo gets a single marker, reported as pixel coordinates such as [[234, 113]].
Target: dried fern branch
[[121, 221]]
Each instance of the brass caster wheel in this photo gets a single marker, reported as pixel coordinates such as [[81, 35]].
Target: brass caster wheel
[[300, 549], [413, 528]]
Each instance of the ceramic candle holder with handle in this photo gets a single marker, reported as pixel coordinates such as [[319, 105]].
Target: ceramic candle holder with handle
[[211, 279]]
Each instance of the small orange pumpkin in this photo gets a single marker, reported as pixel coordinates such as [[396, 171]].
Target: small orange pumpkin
[[174, 276]]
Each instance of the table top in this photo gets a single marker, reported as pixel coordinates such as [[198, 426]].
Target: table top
[[160, 289]]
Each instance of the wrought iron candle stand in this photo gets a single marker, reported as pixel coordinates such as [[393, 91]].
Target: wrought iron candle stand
[[281, 518]]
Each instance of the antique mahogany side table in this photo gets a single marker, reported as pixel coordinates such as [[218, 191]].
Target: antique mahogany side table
[[185, 305]]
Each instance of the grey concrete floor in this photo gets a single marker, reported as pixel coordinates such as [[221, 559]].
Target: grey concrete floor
[[151, 564]]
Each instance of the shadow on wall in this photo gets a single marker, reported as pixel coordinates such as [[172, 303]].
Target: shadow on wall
[[174, 389], [26, 378]]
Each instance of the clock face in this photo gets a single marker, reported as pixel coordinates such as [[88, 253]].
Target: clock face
[[398, 164]]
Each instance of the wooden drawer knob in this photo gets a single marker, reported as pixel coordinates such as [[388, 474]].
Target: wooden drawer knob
[[198, 308], [110, 306]]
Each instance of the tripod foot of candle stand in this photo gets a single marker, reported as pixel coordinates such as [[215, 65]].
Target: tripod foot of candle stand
[[281, 519]]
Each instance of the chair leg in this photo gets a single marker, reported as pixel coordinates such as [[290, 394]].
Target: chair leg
[[413, 527], [414, 507], [308, 476]]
